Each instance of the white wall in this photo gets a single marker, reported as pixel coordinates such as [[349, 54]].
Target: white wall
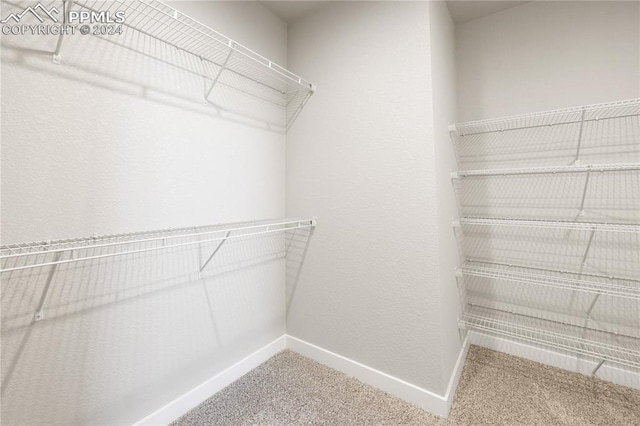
[[362, 158], [112, 141], [443, 69], [547, 55]]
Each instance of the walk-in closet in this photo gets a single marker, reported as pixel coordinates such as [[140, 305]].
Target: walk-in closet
[[319, 212]]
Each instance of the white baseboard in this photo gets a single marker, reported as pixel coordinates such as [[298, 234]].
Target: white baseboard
[[456, 374], [429, 401], [565, 361], [199, 394]]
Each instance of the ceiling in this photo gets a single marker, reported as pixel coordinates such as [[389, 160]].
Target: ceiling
[[289, 11], [465, 11], [461, 11]]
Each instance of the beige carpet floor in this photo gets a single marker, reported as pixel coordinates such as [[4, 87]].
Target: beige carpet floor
[[495, 389]]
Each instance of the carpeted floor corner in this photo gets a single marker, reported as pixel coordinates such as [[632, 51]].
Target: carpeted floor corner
[[495, 389], [500, 389]]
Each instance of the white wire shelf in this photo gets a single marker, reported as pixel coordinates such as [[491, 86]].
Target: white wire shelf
[[503, 265], [221, 60], [573, 115], [597, 193], [609, 286], [547, 224], [597, 344], [15, 257], [599, 134], [548, 170]]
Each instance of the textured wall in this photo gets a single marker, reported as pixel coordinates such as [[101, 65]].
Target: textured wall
[[548, 55], [361, 158], [443, 69], [112, 141]]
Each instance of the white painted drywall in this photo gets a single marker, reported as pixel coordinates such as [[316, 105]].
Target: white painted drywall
[[362, 158], [443, 77], [111, 141], [547, 55]]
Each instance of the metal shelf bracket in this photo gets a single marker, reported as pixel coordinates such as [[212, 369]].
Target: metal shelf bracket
[[595, 370], [66, 8], [586, 251], [576, 160], [593, 303], [204, 265], [584, 192], [39, 316], [219, 73]]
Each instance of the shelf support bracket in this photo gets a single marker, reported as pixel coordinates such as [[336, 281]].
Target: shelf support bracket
[[294, 285], [593, 303], [293, 235], [576, 160], [584, 192], [40, 309], [214, 252], [586, 251], [595, 370], [66, 8], [218, 74], [300, 107]]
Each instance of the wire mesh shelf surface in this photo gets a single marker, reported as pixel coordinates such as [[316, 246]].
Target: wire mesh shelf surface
[[597, 344], [223, 62], [547, 224], [572, 115], [595, 134], [47, 253], [550, 170], [607, 249], [549, 228], [610, 286], [610, 194]]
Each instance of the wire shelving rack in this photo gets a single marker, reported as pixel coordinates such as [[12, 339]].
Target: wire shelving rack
[[549, 207], [602, 345], [219, 60], [609, 286], [20, 256], [46, 256], [548, 170], [588, 135]]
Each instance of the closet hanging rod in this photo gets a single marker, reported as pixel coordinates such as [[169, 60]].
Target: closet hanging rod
[[550, 270], [547, 170], [42, 248], [585, 286], [575, 115], [547, 224], [483, 323]]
